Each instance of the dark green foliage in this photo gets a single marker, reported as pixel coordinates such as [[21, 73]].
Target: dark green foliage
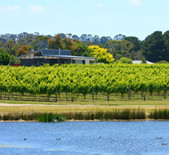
[[143, 61], [119, 49], [135, 41], [13, 60], [166, 44], [40, 42], [99, 115], [4, 57], [153, 47], [124, 60], [51, 117], [83, 50], [163, 62]]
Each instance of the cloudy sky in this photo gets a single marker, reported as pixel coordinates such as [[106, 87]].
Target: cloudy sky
[[97, 17]]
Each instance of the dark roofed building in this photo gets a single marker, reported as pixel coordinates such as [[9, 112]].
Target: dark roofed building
[[51, 52], [52, 56]]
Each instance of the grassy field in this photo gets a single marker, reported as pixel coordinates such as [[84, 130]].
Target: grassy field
[[86, 110], [65, 107]]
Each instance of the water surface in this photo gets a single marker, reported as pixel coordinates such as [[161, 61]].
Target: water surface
[[88, 138]]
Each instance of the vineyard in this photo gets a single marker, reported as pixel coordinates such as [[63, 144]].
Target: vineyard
[[88, 82]]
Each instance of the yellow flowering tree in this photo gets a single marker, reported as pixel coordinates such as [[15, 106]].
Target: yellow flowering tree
[[101, 54]]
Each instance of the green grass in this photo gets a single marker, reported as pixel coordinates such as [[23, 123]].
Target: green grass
[[51, 117], [87, 110], [110, 103]]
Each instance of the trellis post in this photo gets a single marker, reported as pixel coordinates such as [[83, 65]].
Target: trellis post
[[164, 89], [129, 95], [92, 93], [56, 94], [0, 95]]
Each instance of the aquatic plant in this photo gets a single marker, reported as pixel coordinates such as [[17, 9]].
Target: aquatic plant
[[159, 114], [125, 114], [51, 117]]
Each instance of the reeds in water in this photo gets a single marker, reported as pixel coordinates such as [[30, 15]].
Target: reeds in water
[[126, 114], [19, 116], [159, 114], [41, 117], [51, 117]]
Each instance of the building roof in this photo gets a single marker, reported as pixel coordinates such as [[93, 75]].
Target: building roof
[[56, 53], [53, 52], [139, 62]]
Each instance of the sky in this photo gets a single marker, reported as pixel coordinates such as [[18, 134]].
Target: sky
[[138, 18]]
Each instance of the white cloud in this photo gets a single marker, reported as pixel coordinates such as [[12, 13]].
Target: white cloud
[[135, 2], [9, 8], [100, 5], [36, 8]]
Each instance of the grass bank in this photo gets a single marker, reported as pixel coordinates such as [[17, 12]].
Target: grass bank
[[114, 114], [126, 114], [119, 110]]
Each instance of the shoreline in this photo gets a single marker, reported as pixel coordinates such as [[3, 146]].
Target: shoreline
[[116, 120]]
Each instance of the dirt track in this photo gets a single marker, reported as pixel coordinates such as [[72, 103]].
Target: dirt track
[[71, 105], [19, 105]]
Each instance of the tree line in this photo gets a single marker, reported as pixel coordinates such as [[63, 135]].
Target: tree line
[[154, 48]]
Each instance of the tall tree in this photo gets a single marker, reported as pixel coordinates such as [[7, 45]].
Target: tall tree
[[153, 47], [122, 48], [136, 42], [40, 42], [63, 43], [4, 57], [55, 43], [9, 45], [83, 50], [166, 44]]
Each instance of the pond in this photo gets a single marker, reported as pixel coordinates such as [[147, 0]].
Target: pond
[[85, 138]]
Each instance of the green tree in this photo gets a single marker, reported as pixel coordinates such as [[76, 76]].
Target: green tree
[[40, 42], [4, 57], [55, 43], [11, 47], [122, 48], [136, 42], [124, 60], [13, 60], [166, 45], [63, 43], [153, 47], [83, 50]]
